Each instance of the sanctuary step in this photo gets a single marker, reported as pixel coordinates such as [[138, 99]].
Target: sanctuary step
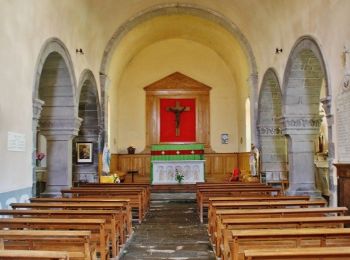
[[171, 188]]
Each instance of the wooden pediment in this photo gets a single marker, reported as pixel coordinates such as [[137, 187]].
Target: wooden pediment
[[177, 82]]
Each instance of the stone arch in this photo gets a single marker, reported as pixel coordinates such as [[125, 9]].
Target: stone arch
[[271, 141], [179, 8], [54, 111], [304, 76], [89, 111]]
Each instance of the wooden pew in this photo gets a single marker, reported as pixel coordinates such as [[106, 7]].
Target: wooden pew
[[272, 213], [145, 191], [112, 218], [76, 243], [116, 206], [236, 241], [324, 253], [126, 216], [282, 223], [204, 194], [145, 187], [96, 226], [33, 254], [137, 201], [250, 198], [262, 204]]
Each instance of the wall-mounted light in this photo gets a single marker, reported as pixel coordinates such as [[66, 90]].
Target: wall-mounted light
[[79, 51], [278, 51]]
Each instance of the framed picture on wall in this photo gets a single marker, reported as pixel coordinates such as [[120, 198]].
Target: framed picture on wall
[[224, 138], [84, 152]]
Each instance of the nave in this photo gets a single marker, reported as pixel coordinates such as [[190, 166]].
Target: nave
[[171, 230]]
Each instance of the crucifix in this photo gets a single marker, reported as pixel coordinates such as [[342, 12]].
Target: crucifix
[[177, 110]]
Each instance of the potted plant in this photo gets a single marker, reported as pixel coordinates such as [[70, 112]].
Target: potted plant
[[131, 150]]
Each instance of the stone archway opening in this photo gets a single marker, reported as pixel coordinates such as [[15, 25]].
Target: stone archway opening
[[274, 164], [54, 119], [89, 132], [304, 78]]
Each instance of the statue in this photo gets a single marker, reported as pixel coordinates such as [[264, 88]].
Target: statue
[[254, 160]]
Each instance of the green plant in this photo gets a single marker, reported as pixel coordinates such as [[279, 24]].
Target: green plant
[[178, 176]]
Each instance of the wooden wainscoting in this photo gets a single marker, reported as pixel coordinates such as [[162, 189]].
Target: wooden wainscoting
[[127, 162], [218, 166]]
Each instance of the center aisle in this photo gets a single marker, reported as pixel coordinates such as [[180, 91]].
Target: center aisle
[[171, 230]]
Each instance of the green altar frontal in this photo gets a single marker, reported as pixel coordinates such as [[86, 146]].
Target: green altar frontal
[[176, 152]]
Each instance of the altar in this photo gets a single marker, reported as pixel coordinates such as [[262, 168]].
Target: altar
[[168, 160], [164, 172]]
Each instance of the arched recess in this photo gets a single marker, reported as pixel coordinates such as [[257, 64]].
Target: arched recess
[[174, 9], [90, 130], [271, 141], [304, 77], [55, 113]]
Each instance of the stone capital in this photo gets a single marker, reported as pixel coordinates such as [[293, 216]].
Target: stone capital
[[266, 130], [301, 125], [60, 128], [37, 108]]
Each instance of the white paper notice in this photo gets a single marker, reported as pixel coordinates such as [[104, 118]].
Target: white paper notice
[[16, 142]]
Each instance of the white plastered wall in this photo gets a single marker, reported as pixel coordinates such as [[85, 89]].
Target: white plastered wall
[[88, 24]]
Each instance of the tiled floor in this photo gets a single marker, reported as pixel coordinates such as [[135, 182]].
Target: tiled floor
[[171, 230]]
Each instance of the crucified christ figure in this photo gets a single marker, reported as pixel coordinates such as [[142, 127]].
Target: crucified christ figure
[[177, 110]]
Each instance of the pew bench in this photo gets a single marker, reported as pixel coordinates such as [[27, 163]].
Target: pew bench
[[77, 244], [204, 195], [33, 254], [274, 223], [126, 216], [252, 198], [315, 253], [97, 227], [113, 220], [136, 201], [272, 213], [236, 241]]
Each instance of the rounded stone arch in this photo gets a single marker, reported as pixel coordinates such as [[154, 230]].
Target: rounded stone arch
[[55, 119], [305, 57], [189, 9], [89, 111], [272, 143], [304, 78], [50, 47]]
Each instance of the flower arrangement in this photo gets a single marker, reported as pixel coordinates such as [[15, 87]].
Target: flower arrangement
[[179, 177], [116, 178], [39, 157]]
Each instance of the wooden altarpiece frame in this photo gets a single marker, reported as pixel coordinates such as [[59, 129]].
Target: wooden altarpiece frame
[[178, 86]]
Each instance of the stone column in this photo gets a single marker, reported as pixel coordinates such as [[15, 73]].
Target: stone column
[[302, 131], [37, 108], [253, 83], [326, 104], [59, 134]]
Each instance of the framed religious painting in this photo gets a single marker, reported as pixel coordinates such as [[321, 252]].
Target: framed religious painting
[[84, 152]]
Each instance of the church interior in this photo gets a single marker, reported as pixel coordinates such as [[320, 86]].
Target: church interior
[[148, 98]]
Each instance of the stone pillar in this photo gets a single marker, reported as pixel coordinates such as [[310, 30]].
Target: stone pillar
[[59, 134], [253, 83], [326, 104], [302, 132], [37, 108]]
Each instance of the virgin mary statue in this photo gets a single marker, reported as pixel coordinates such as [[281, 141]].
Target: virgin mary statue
[[106, 160]]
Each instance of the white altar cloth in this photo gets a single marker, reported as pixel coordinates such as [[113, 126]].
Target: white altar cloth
[[164, 171]]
